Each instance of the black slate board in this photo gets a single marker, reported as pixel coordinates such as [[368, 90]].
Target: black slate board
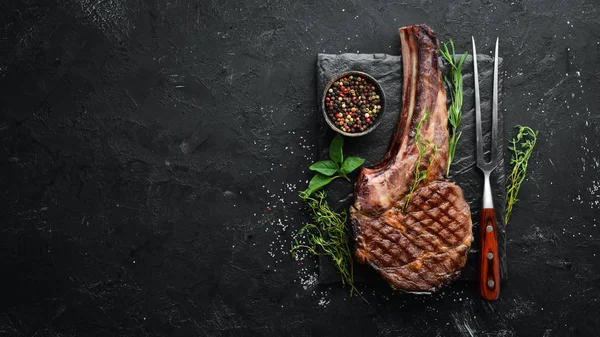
[[387, 69]]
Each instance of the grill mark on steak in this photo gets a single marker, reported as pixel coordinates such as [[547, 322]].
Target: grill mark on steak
[[445, 218], [424, 246]]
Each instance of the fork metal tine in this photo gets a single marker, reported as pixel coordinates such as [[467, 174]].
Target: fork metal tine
[[494, 144], [494, 159], [478, 136]]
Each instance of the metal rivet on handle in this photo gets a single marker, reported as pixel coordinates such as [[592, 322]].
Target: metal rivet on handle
[[489, 229], [490, 283], [490, 256]]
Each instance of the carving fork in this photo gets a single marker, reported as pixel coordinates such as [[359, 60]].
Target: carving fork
[[489, 259]]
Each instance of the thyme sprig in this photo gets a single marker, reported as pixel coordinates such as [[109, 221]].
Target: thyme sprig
[[422, 146], [454, 81], [522, 147], [328, 236]]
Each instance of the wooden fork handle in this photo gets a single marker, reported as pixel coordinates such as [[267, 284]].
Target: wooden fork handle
[[489, 274]]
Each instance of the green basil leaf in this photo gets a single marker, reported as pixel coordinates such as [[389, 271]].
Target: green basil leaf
[[335, 149], [317, 182], [326, 167], [351, 163]]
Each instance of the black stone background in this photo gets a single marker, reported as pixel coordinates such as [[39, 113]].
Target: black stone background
[[151, 153]]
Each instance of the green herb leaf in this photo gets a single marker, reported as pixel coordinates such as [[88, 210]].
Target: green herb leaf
[[454, 82], [521, 153], [422, 146], [318, 181], [328, 236], [326, 167], [335, 149], [350, 164]]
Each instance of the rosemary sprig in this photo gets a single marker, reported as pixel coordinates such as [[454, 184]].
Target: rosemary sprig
[[522, 148], [454, 81], [328, 236], [422, 146]]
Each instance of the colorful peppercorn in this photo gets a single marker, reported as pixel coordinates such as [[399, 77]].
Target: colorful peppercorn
[[353, 103]]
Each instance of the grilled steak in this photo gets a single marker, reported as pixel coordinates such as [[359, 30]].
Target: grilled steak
[[419, 245]]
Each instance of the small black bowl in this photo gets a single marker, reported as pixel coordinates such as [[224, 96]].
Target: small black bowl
[[381, 98]]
